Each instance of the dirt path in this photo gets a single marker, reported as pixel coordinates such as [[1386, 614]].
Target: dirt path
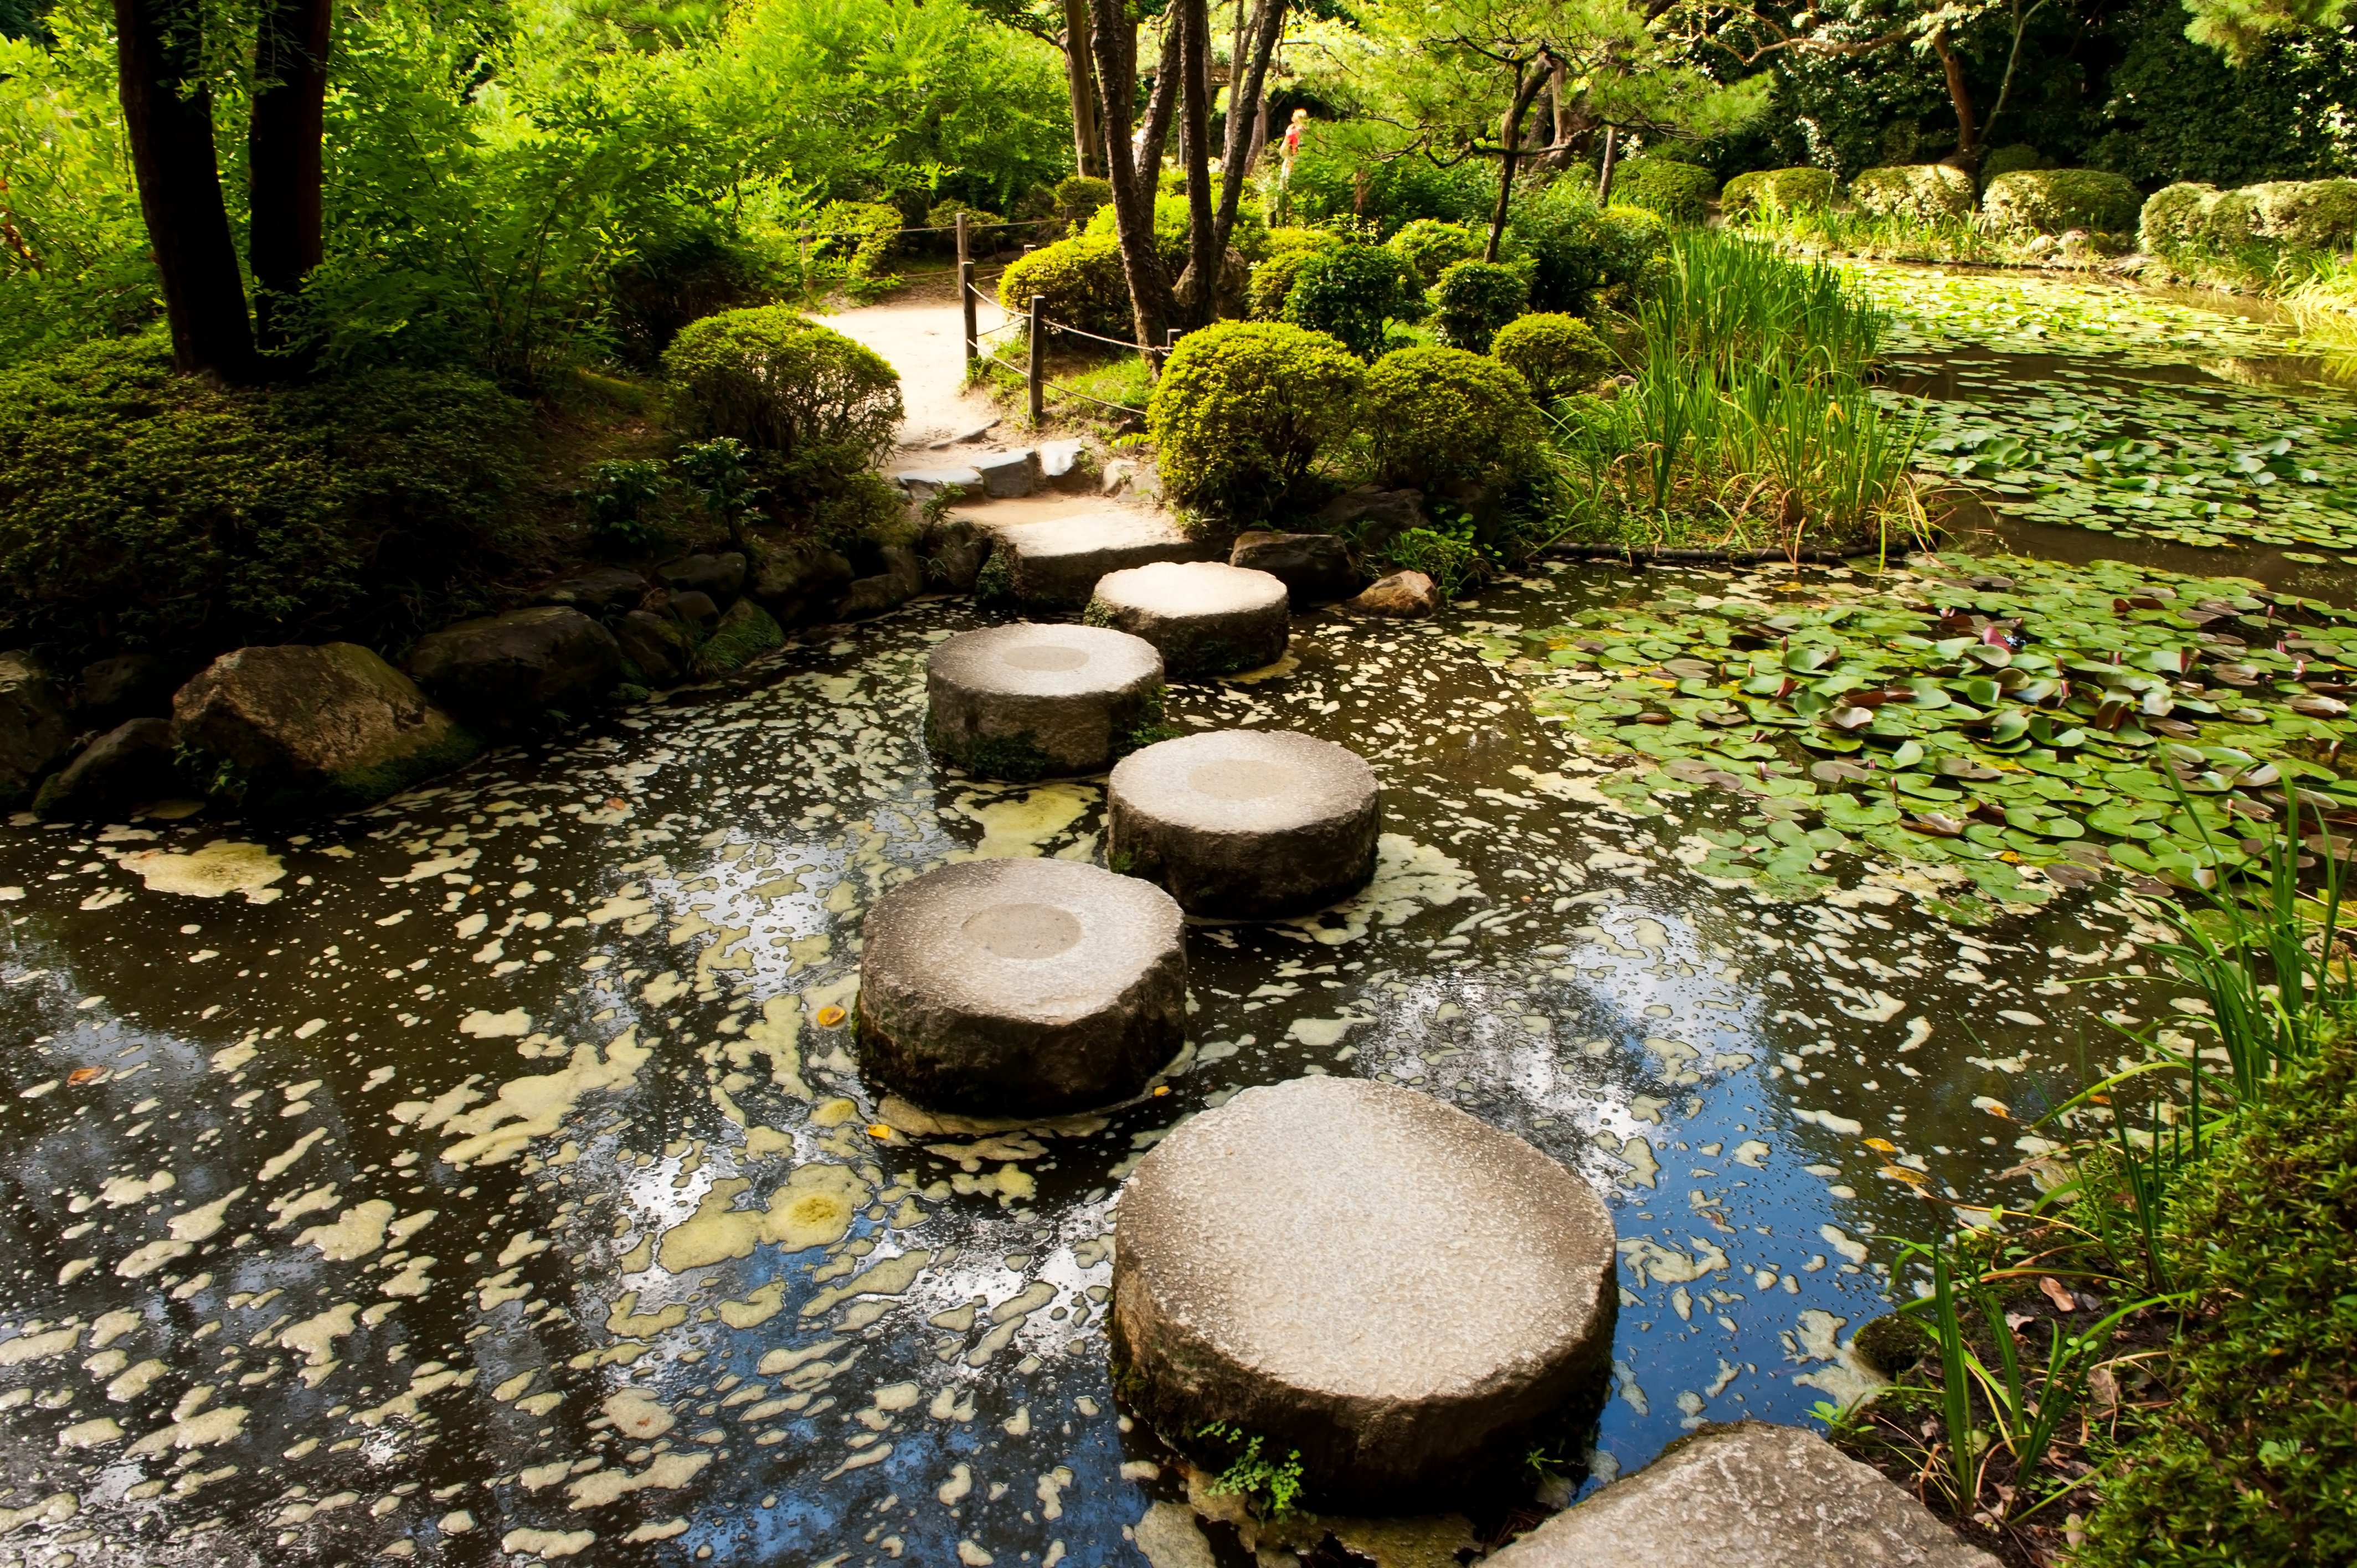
[[919, 331]]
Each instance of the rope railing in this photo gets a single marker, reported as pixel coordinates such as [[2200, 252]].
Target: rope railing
[[1038, 327]]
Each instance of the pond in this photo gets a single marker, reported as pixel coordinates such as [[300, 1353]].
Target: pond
[[490, 1173]]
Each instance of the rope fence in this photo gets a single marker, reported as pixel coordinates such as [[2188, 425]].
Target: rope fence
[[1038, 327]]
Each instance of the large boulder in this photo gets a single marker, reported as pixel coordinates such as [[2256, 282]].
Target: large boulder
[[657, 645], [127, 686], [1315, 568], [1403, 595], [954, 551], [799, 582], [602, 592], [302, 730], [902, 579], [35, 734], [129, 763], [516, 668], [720, 575], [743, 634], [1760, 1496], [1373, 515]]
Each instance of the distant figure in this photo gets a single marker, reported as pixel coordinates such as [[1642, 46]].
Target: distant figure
[[1290, 148]]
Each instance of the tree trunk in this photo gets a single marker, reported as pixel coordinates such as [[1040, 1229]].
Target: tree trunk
[[1510, 137], [1081, 82], [1603, 174], [1154, 135], [1246, 134], [1967, 146], [167, 113], [283, 147], [1133, 199], [1199, 282]]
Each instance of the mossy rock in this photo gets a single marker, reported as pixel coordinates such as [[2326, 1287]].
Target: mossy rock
[[743, 634], [1891, 1343]]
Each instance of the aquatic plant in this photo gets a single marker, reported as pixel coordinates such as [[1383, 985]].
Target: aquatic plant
[[1270, 1487]]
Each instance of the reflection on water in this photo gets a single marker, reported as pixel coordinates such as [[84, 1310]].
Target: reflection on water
[[478, 1174]]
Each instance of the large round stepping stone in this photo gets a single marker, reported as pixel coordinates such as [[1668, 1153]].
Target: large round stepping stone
[[1023, 702], [1021, 987], [1207, 618], [1245, 824], [1359, 1272]]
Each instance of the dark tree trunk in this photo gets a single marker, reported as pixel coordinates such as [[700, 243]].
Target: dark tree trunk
[[1249, 75], [1199, 283], [1133, 197], [1604, 171], [1081, 80], [1161, 104], [168, 115], [1509, 141], [282, 239], [1953, 66]]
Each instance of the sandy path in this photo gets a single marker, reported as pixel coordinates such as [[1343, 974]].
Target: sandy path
[[919, 332]]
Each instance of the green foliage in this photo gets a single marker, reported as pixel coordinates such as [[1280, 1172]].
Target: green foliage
[[1351, 293], [1777, 190], [1082, 280], [1925, 193], [1584, 257], [1272, 279], [2178, 220], [1428, 247], [1270, 1487], [1473, 299], [620, 498], [1245, 411], [1345, 170], [1445, 415], [782, 385], [141, 507], [2048, 201], [981, 225], [2318, 214], [2176, 110], [2011, 159], [1678, 191], [1556, 354], [718, 471], [1445, 554], [1077, 198], [862, 233], [1248, 239]]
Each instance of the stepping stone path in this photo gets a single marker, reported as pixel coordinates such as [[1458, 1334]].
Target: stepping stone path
[[1363, 1273], [1026, 701], [1021, 987], [1245, 824], [1206, 617], [1761, 1496], [1056, 562]]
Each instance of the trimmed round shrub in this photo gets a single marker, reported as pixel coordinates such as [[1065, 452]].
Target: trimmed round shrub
[[1438, 416], [2312, 214], [140, 508], [1430, 247], [2048, 201], [1558, 355], [1772, 190], [2175, 218], [782, 384], [1273, 278], [1244, 410], [1349, 292], [979, 224], [2011, 159], [1077, 198], [1581, 255], [1473, 299], [1926, 193], [1679, 192], [1083, 280]]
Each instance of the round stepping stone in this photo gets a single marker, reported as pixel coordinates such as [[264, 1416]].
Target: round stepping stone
[[1359, 1272], [1021, 987], [1245, 824], [1207, 618], [1024, 701]]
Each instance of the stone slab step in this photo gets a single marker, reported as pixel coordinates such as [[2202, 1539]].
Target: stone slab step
[[1055, 562]]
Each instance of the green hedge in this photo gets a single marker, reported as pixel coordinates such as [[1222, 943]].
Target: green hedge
[[1772, 191], [1438, 416], [1679, 192], [2309, 214], [140, 508], [1244, 411], [1273, 278], [2011, 159], [2050, 202], [1082, 280], [1925, 193], [782, 384], [1430, 247], [1558, 355], [1473, 299], [2191, 219]]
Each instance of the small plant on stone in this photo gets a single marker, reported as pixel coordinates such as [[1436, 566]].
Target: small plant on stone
[[1270, 1489], [620, 497]]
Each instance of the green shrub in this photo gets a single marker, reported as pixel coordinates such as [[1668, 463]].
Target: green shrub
[[1473, 299], [1172, 218], [1079, 196], [2011, 159], [2255, 1459], [142, 507], [1772, 191], [2048, 201], [1582, 256], [1245, 410], [980, 225], [1348, 170], [1922, 193], [1429, 247], [1349, 292], [1082, 280], [1437, 415], [1679, 192], [2175, 218], [782, 385], [1558, 355], [863, 233], [621, 498], [1273, 279], [2308, 214]]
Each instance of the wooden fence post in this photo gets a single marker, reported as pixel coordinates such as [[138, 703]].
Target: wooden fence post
[[1038, 376], [965, 288]]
